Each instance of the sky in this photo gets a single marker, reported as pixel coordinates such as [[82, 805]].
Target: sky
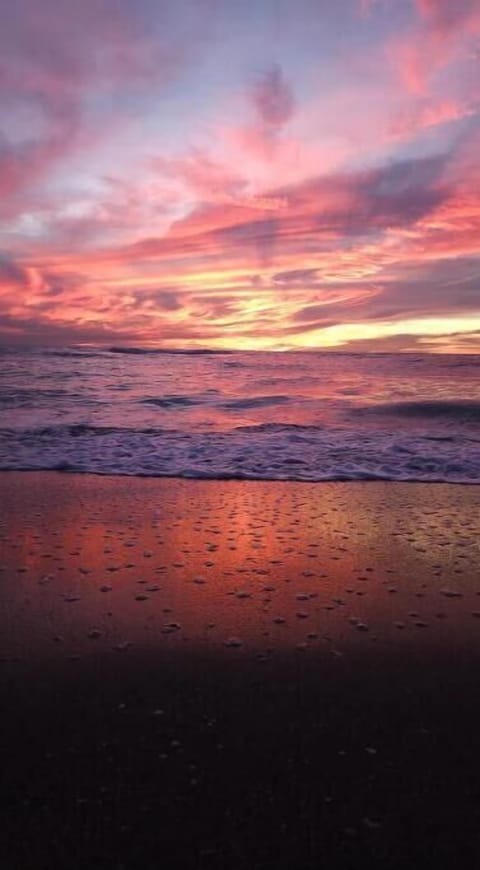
[[241, 174]]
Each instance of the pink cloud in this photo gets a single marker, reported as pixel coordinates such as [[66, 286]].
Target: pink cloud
[[425, 114], [59, 62], [272, 106], [446, 16], [446, 28], [202, 175]]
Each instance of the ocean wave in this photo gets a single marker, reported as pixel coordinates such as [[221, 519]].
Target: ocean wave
[[271, 452], [28, 397], [173, 401], [39, 398], [251, 402], [212, 398], [461, 410], [73, 354], [286, 417], [260, 428], [159, 351]]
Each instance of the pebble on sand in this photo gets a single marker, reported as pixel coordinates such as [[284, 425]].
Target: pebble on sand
[[123, 646], [170, 627], [371, 824]]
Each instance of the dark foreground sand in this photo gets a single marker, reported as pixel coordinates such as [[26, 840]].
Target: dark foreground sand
[[238, 675]]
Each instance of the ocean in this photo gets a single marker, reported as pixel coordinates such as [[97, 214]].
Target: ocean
[[241, 415]]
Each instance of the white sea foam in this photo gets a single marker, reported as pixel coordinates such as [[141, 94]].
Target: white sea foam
[[261, 453]]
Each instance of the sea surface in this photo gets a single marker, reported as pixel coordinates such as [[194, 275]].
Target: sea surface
[[247, 415]]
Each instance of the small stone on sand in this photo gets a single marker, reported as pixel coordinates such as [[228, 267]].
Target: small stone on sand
[[123, 646]]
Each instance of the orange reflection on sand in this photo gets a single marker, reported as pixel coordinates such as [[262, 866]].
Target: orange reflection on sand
[[105, 563]]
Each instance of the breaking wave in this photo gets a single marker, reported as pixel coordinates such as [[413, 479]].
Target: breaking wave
[[264, 452]]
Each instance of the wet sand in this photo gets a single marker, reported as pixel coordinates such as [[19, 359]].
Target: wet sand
[[238, 674]]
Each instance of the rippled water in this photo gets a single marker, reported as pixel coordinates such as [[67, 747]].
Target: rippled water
[[292, 416]]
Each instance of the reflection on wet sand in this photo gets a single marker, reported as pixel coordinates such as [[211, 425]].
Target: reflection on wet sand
[[106, 565]]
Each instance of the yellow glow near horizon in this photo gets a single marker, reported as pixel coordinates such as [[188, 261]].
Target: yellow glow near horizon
[[335, 336]]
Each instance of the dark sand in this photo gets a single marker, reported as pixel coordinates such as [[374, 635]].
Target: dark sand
[[239, 674]]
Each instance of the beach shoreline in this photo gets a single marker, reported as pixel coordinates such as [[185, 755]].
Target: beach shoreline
[[242, 674]]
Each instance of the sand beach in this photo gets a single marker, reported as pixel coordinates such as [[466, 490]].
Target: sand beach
[[238, 674]]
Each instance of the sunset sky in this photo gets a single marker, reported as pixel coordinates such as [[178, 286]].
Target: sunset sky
[[252, 174]]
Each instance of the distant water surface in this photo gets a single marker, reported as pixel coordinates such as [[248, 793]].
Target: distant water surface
[[271, 416]]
